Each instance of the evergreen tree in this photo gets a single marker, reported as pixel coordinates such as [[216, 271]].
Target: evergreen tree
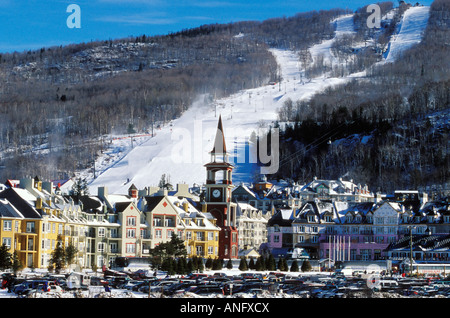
[[271, 264], [306, 266], [280, 264], [5, 257], [217, 264], [209, 263], [168, 265], [16, 263], [79, 188], [190, 266], [58, 256], [243, 264], [200, 265], [182, 266], [230, 264], [70, 253], [294, 266], [259, 266], [251, 264]]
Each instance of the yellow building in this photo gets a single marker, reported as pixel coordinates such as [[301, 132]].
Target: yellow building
[[167, 215], [200, 233]]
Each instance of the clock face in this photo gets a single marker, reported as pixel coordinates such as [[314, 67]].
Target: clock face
[[216, 193]]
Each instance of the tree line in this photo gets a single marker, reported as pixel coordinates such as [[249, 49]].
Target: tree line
[[389, 130]]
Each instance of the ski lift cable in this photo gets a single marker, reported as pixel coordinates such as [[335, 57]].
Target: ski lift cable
[[314, 144]]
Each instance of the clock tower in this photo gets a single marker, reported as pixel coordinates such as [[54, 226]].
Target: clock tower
[[218, 196]]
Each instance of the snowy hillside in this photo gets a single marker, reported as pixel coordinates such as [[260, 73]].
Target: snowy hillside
[[182, 148], [412, 27]]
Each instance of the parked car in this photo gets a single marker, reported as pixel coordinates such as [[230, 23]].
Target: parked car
[[40, 289], [28, 284], [206, 289]]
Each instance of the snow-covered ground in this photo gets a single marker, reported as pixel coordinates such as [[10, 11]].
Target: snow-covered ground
[[181, 148], [412, 26]]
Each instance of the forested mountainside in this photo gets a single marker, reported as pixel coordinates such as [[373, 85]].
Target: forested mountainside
[[388, 129], [57, 102]]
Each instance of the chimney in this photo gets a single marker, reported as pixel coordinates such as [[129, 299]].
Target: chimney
[[48, 186], [102, 192], [163, 192], [182, 190], [38, 203], [204, 207], [152, 190], [186, 207]]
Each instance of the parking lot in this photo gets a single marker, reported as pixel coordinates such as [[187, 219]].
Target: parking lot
[[219, 284]]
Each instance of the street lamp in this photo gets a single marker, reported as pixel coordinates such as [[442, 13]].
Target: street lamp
[[410, 250]]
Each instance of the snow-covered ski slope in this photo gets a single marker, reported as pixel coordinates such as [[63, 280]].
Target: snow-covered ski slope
[[181, 148], [412, 26]]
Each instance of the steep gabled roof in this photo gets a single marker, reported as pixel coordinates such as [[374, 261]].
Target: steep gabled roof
[[153, 201], [7, 210], [17, 197]]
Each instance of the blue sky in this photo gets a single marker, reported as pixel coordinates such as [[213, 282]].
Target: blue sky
[[33, 24]]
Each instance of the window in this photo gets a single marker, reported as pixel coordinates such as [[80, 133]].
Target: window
[[210, 250], [113, 233], [314, 239], [157, 222], [101, 247], [300, 239], [311, 218], [113, 247], [188, 235], [276, 238], [169, 222], [131, 248], [200, 236], [131, 221], [7, 225], [131, 233], [30, 227], [158, 233], [30, 244], [210, 236], [7, 241], [101, 231], [199, 250]]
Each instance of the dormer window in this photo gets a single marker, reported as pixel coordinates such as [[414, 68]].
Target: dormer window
[[348, 219], [358, 219], [369, 218], [311, 218], [405, 218], [328, 218]]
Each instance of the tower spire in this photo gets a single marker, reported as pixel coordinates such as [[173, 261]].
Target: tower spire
[[219, 147]]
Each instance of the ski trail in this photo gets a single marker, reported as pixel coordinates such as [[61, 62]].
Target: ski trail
[[413, 24], [181, 148]]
